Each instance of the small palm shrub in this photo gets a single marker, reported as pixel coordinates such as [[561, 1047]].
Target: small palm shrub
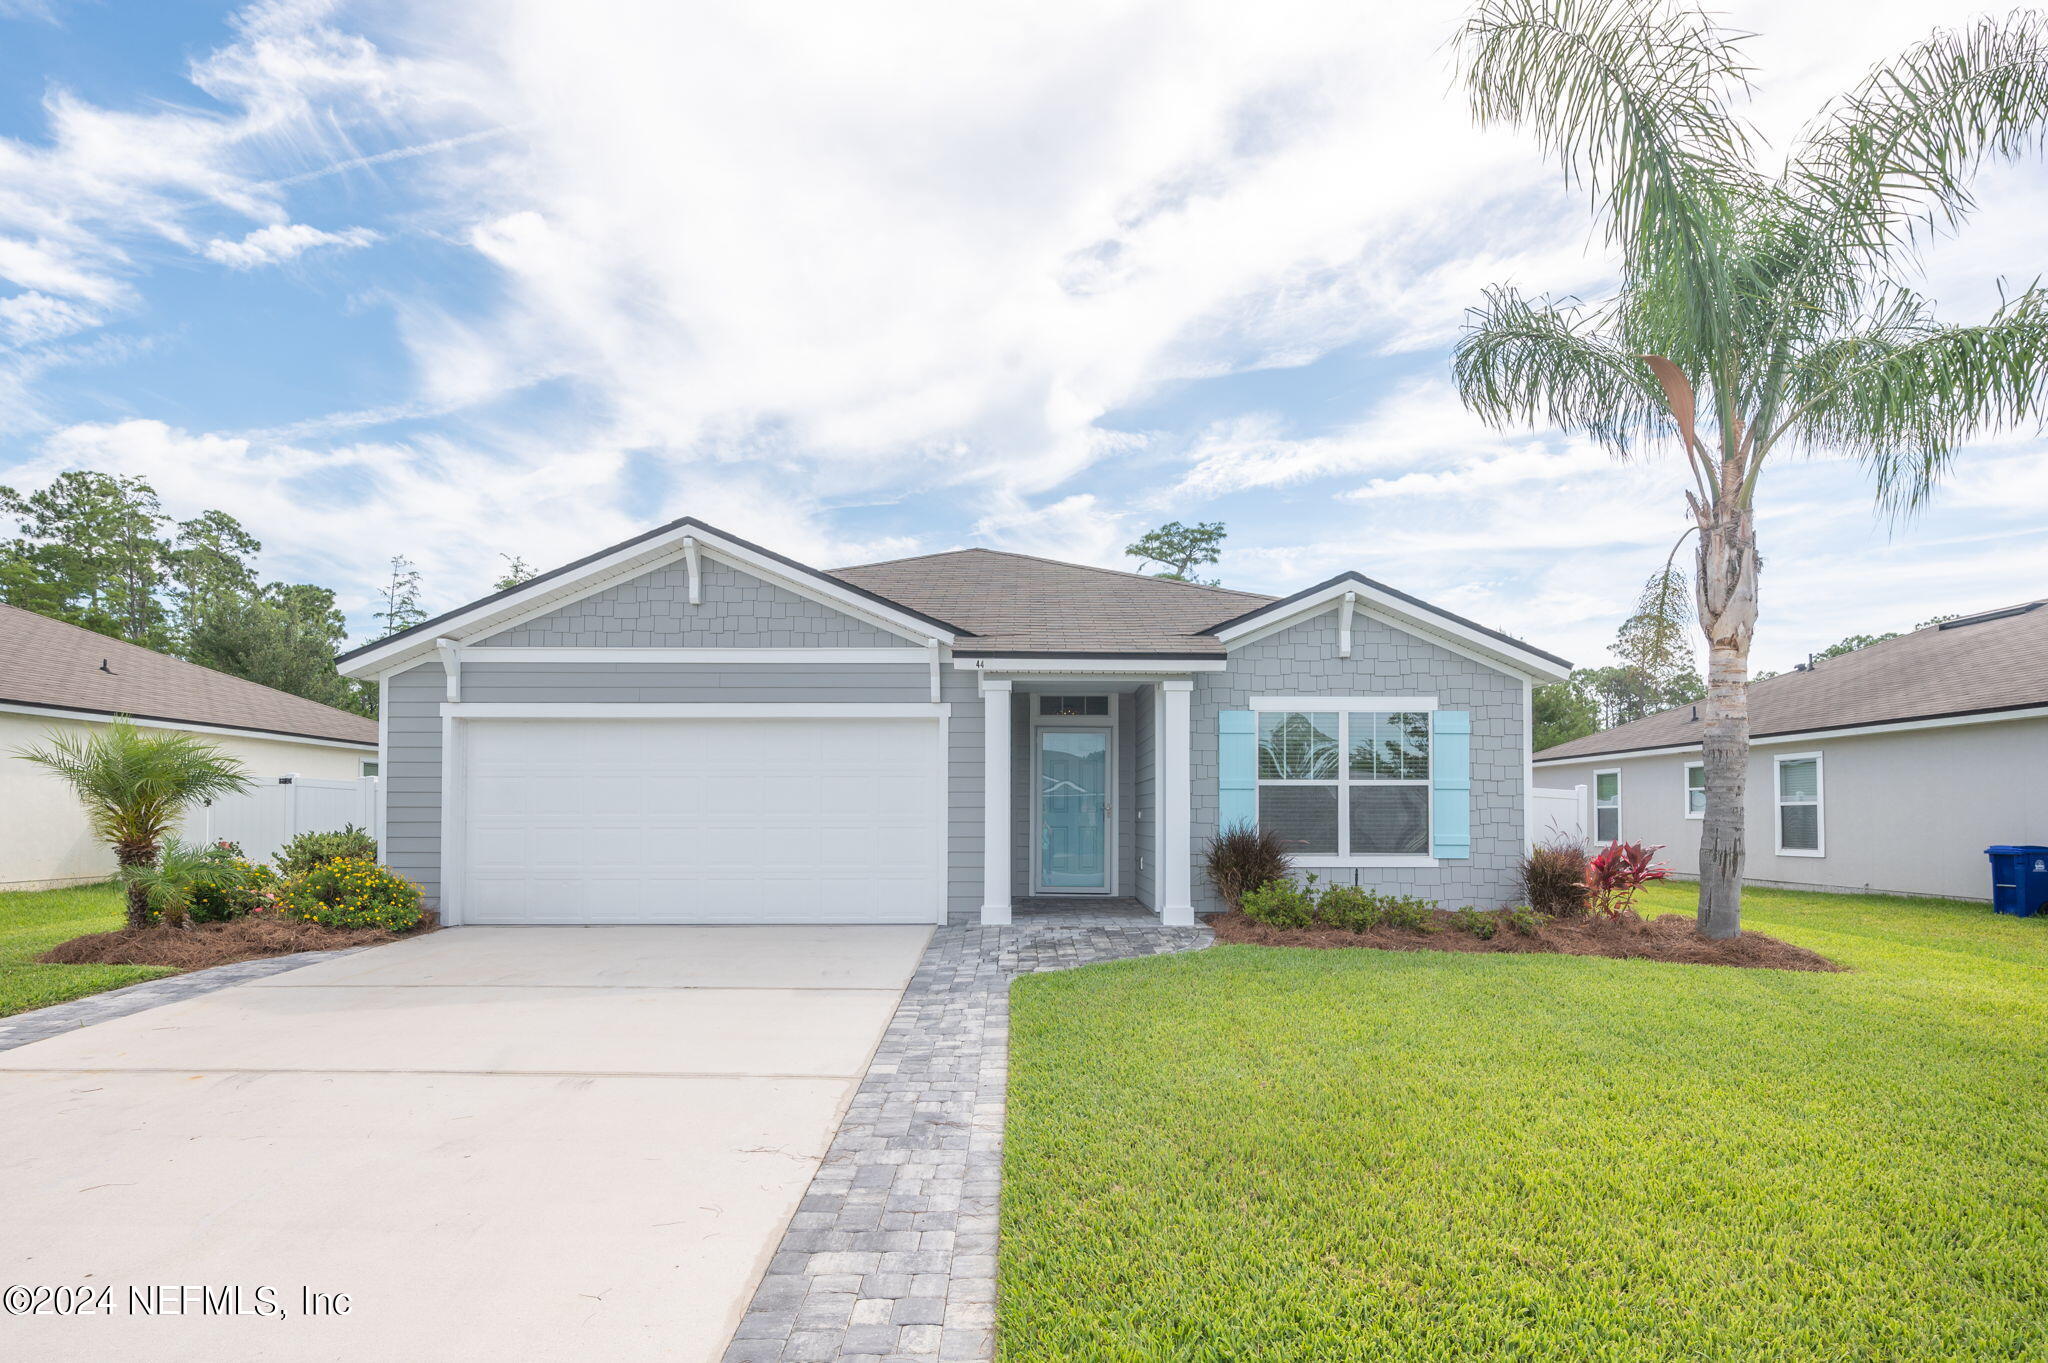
[[349, 892], [200, 883], [308, 850], [1281, 904], [1554, 879], [134, 786], [1243, 858]]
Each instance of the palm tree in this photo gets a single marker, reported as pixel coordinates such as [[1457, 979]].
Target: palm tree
[[1759, 310], [135, 786]]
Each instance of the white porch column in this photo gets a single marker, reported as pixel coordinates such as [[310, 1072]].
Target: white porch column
[[1176, 804], [995, 796]]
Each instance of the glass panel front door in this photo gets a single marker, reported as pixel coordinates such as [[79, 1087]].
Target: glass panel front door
[[1073, 809]]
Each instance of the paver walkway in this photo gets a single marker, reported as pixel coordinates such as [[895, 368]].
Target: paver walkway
[[891, 1255]]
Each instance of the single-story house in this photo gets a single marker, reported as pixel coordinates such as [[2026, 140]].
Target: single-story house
[[57, 677], [686, 727], [1887, 769]]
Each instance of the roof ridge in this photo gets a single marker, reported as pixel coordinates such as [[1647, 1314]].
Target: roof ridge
[[1057, 563], [183, 662]]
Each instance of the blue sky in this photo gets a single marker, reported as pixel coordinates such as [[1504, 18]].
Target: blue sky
[[460, 281]]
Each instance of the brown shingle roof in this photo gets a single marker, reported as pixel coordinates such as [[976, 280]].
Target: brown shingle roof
[[47, 662], [1014, 603], [1997, 660]]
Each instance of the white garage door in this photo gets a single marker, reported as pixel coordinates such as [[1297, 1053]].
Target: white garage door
[[702, 821]]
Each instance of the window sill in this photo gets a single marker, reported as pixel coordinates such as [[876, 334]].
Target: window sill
[[1797, 852], [1315, 863], [1696, 818]]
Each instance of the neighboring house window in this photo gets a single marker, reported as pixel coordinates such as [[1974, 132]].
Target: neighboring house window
[[1345, 784], [1799, 801], [1695, 790], [1606, 806], [369, 768]]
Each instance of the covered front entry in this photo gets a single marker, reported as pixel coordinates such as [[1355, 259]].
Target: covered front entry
[[711, 820], [1087, 793]]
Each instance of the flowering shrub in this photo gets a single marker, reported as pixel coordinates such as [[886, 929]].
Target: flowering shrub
[[1614, 877], [348, 892]]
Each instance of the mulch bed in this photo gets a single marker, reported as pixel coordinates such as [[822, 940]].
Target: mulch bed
[[1669, 938], [205, 944]]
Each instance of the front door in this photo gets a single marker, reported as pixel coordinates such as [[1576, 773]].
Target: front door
[[1073, 811]]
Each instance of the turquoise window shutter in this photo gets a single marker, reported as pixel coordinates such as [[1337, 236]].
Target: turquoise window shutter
[[1237, 769], [1450, 783]]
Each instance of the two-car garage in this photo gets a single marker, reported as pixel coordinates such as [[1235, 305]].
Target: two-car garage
[[713, 819]]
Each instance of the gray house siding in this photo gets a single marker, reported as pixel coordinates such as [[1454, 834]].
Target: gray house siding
[[965, 837], [1909, 812], [1303, 661], [737, 610], [411, 775]]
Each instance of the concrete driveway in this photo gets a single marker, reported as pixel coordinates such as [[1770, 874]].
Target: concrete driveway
[[498, 1143]]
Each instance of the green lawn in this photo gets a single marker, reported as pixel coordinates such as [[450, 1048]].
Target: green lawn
[[32, 922], [1287, 1155]]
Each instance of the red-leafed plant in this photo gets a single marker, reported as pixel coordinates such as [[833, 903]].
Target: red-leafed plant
[[1617, 874]]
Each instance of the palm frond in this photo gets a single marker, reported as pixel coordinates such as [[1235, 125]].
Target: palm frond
[[1631, 97], [1898, 152], [1525, 361], [1905, 392], [133, 784]]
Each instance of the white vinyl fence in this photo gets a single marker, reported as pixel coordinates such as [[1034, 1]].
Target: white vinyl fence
[[267, 817], [1559, 815]]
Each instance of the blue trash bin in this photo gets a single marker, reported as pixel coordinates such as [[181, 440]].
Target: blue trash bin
[[2019, 879]]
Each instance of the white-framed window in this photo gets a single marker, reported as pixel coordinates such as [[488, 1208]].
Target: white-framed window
[[1607, 806], [1346, 785], [1696, 790], [1797, 781], [369, 767]]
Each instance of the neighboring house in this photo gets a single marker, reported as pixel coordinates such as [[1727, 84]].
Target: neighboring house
[[690, 728], [1891, 768], [56, 677]]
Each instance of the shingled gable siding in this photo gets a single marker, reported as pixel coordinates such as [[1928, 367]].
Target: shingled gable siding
[[1303, 661], [738, 610]]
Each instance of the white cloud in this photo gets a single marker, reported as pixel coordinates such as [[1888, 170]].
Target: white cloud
[[281, 242], [29, 318]]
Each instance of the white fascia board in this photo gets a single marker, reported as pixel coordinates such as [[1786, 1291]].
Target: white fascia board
[[1040, 663], [630, 561], [908, 657], [690, 710], [1449, 634], [1810, 735], [226, 731]]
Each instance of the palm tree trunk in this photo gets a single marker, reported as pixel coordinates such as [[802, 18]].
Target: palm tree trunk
[[138, 897], [1728, 604]]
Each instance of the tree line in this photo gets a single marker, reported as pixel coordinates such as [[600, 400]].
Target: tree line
[[97, 550]]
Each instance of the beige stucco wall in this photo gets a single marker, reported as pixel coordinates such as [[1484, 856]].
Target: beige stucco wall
[[44, 841], [1903, 813]]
